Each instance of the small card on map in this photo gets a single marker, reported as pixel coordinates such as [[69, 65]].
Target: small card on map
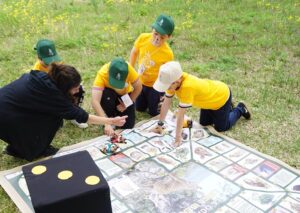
[[126, 100]]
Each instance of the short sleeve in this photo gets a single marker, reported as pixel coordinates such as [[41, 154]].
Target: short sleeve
[[138, 42], [186, 100], [99, 81], [169, 94]]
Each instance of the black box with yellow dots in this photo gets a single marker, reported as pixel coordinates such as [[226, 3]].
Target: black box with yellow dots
[[71, 183]]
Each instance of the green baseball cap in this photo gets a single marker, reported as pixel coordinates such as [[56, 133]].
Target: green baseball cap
[[164, 25], [118, 72], [46, 51]]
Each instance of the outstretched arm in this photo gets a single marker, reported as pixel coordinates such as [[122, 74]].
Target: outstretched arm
[[165, 107], [180, 119], [163, 112], [117, 121]]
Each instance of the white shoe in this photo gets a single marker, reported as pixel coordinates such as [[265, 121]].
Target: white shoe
[[80, 125]]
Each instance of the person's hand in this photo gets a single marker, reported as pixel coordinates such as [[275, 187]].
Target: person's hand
[[119, 121], [157, 129], [177, 141], [108, 130], [121, 107]]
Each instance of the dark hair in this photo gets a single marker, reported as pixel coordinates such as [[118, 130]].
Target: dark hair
[[65, 77]]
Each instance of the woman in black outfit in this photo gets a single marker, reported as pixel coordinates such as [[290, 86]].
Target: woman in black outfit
[[33, 107]]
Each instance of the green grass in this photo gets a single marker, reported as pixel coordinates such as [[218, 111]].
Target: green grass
[[254, 46]]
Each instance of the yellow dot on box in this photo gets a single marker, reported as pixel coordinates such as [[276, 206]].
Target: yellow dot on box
[[38, 170], [92, 180], [65, 175]]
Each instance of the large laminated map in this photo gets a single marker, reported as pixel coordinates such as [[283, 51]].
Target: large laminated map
[[207, 173]]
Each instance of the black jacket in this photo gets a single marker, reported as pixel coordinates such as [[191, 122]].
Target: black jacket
[[31, 111]]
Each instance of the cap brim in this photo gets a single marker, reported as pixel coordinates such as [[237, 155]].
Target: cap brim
[[160, 87], [49, 60], [116, 83], [159, 29]]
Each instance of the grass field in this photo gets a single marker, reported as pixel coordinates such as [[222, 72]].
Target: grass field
[[254, 46]]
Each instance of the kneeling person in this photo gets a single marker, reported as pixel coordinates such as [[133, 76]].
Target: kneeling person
[[116, 82], [212, 97]]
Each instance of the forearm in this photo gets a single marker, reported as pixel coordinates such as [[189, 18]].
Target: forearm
[[133, 56], [137, 90], [179, 122], [164, 108], [93, 119]]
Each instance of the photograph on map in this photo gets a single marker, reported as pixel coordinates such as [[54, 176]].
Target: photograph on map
[[122, 160], [222, 147], [210, 141], [202, 154], [236, 154], [218, 163], [266, 169], [252, 181], [233, 171], [250, 161], [135, 154], [108, 167], [167, 161], [283, 177], [262, 200], [182, 153], [148, 149]]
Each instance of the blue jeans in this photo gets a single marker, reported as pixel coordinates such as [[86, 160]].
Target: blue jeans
[[149, 98], [222, 119]]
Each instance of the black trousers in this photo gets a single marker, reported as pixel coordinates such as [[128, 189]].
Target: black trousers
[[149, 98], [109, 103]]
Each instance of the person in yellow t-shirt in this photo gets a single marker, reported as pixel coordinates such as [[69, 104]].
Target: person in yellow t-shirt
[[114, 92], [152, 50], [212, 97], [47, 54]]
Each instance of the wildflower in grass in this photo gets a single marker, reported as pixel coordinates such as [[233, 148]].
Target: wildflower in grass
[[29, 16], [114, 28], [105, 28], [105, 45]]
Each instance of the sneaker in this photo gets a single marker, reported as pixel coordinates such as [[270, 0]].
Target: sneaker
[[246, 114], [80, 125]]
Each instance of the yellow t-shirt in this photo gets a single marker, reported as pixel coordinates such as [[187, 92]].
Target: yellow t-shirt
[[151, 58], [40, 67], [201, 93], [102, 79]]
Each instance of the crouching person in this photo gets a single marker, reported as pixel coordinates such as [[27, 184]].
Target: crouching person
[[212, 97], [115, 90], [33, 107]]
